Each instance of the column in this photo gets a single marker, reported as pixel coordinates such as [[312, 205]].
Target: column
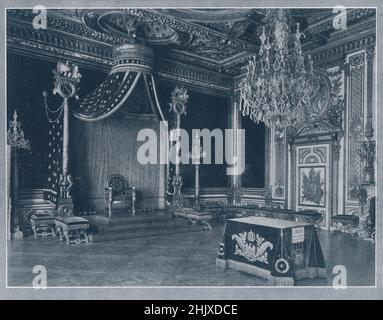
[[234, 193]]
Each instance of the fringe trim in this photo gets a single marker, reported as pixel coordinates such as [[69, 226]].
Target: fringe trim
[[240, 266], [222, 263], [308, 273], [282, 281], [311, 272]]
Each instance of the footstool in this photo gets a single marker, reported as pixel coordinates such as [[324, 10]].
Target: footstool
[[43, 224], [72, 229], [195, 216]]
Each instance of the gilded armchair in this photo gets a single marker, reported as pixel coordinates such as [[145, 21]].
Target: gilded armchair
[[119, 196]]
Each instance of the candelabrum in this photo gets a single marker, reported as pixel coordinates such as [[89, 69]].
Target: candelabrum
[[367, 154], [196, 155], [178, 100], [366, 227], [18, 143], [66, 79]]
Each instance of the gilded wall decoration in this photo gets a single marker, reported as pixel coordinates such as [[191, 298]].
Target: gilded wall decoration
[[280, 161], [312, 186], [356, 123], [325, 112], [211, 50], [312, 179]]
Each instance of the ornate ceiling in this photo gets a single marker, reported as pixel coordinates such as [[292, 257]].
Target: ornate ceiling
[[214, 40]]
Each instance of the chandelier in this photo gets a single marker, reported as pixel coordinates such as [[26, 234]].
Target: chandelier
[[279, 80]]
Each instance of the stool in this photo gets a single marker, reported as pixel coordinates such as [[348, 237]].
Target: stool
[[195, 216], [43, 224], [72, 229]]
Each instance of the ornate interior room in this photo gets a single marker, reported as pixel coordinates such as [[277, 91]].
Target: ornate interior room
[[83, 83]]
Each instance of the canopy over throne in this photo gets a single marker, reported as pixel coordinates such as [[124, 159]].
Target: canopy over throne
[[119, 197]]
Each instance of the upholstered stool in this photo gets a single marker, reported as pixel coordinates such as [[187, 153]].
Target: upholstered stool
[[72, 229], [43, 224], [195, 216]]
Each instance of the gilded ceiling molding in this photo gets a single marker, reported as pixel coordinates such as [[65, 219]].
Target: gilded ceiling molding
[[69, 38], [207, 82], [60, 23], [23, 34], [51, 53], [195, 30], [166, 70], [326, 25], [334, 53]]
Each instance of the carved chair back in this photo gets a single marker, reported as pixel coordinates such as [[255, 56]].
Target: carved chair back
[[118, 183]]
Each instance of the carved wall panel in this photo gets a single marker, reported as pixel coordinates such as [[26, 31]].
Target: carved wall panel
[[355, 125], [279, 163], [312, 179]]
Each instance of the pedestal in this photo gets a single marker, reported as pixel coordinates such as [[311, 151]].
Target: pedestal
[[366, 228], [17, 233], [178, 199]]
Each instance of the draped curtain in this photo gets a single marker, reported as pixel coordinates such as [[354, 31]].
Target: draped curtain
[[108, 147]]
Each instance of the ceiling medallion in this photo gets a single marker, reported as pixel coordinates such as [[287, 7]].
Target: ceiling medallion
[[128, 24], [281, 85]]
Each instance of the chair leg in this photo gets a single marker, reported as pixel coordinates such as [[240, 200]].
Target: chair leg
[[110, 208], [133, 203]]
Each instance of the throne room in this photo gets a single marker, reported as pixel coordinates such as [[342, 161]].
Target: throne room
[[152, 147]]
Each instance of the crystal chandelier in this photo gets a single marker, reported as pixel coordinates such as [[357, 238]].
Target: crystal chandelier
[[279, 82]]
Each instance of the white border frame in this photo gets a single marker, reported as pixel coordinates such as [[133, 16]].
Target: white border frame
[[225, 292]]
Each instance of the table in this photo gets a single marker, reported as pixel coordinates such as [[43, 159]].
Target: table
[[279, 251], [72, 229]]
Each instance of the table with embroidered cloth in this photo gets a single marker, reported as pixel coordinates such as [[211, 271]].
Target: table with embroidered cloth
[[72, 229], [279, 251]]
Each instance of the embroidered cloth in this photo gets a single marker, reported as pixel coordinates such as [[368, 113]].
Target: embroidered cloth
[[280, 251]]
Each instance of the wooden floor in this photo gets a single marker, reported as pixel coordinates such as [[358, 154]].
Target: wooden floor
[[172, 260]]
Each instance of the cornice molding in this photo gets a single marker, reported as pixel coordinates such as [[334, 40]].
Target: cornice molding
[[326, 25], [44, 52], [70, 39], [60, 23], [331, 54], [23, 34], [205, 80]]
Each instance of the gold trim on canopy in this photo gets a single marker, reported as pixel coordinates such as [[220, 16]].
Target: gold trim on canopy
[[133, 62]]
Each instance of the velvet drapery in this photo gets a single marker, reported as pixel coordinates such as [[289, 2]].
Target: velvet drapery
[[107, 147]]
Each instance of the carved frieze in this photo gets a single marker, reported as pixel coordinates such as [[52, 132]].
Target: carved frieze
[[195, 77], [322, 24], [220, 45], [280, 163]]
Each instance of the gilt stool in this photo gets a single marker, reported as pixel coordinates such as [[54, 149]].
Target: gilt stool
[[43, 224], [72, 229]]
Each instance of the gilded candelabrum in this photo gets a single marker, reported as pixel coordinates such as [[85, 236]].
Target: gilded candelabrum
[[196, 155], [66, 79], [18, 143], [178, 100]]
